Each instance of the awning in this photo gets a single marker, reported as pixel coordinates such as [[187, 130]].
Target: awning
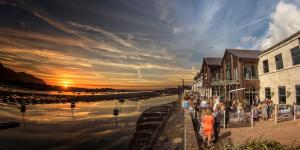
[[224, 82]]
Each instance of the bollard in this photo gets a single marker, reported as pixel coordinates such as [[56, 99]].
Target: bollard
[[275, 117], [251, 117]]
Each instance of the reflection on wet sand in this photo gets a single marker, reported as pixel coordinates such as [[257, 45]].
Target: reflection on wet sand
[[74, 125]]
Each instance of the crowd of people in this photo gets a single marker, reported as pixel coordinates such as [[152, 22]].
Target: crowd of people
[[208, 113], [262, 108]]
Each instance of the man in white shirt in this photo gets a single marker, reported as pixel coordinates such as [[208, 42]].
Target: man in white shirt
[[203, 104]]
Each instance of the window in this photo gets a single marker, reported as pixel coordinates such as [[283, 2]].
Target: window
[[236, 73], [282, 95], [215, 73], [278, 61], [297, 94], [228, 69], [250, 72], [266, 66], [268, 92], [295, 52], [250, 95], [254, 73]]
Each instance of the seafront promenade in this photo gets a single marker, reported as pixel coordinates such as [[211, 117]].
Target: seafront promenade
[[190, 137]]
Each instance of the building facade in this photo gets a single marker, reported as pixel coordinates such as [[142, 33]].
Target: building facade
[[210, 71], [279, 71], [240, 75]]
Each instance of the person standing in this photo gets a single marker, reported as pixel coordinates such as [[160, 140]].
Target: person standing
[[203, 104], [256, 100], [217, 122], [264, 110], [208, 123]]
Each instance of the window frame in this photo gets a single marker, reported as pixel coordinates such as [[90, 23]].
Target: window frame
[[281, 96], [228, 71], [266, 66], [249, 67], [297, 94], [279, 65], [236, 73], [297, 56], [268, 94]]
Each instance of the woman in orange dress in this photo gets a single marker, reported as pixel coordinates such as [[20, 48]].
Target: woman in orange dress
[[208, 125]]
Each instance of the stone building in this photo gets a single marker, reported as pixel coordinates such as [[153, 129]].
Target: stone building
[[279, 71]]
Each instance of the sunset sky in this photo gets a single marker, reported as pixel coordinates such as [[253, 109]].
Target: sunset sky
[[139, 44]]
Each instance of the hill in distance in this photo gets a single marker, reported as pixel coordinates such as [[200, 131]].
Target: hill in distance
[[9, 75]]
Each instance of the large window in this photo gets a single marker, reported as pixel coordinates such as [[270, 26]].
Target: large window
[[266, 66], [250, 95], [279, 62], [295, 52], [215, 73], [250, 72], [228, 69], [236, 74], [282, 95], [298, 94], [268, 92]]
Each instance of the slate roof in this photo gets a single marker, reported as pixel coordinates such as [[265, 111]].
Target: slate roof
[[213, 61], [244, 54]]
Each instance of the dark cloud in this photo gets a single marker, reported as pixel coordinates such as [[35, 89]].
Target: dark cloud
[[126, 43]]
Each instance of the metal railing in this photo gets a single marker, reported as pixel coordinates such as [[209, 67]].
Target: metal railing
[[235, 120], [286, 113]]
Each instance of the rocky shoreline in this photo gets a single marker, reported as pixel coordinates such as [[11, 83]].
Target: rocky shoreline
[[15, 97], [149, 125]]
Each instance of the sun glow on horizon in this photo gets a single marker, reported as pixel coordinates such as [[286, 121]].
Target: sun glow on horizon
[[65, 83]]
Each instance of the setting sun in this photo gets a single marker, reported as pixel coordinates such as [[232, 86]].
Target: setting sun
[[65, 83]]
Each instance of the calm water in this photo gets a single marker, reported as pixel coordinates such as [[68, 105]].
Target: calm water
[[63, 92], [87, 126]]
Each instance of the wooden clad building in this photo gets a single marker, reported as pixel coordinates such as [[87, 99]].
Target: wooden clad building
[[210, 72], [240, 68], [236, 70]]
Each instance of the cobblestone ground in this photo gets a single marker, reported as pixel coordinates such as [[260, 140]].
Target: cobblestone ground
[[287, 133], [172, 135]]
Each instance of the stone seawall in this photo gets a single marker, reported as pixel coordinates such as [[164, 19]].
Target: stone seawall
[[149, 125]]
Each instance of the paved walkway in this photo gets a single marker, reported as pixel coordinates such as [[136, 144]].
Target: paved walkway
[[287, 133], [191, 142]]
